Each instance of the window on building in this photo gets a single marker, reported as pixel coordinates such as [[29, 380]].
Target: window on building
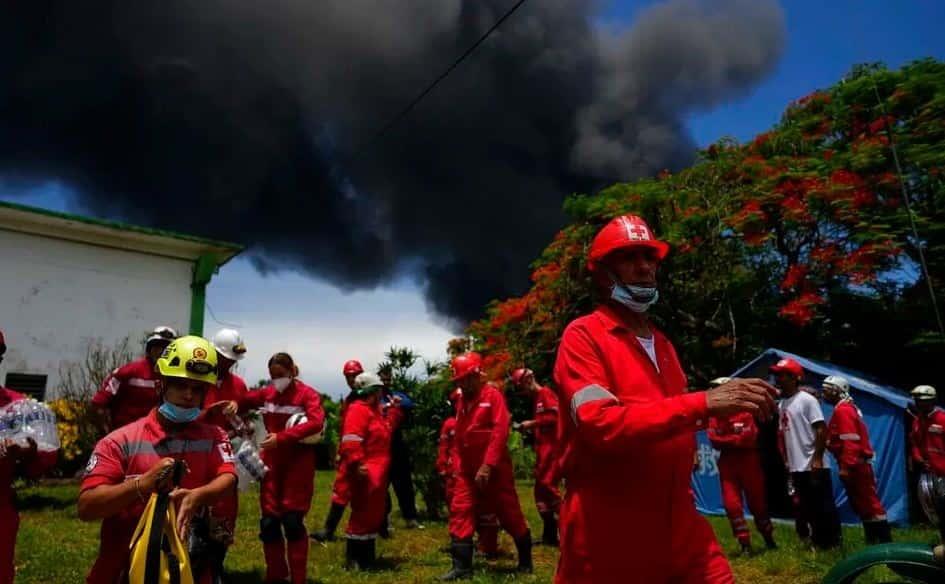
[[29, 384]]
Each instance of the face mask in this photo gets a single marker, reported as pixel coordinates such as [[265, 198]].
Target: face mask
[[636, 298], [177, 414], [281, 383]]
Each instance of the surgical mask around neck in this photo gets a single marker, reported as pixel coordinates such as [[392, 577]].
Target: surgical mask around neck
[[177, 414], [281, 383], [637, 298]]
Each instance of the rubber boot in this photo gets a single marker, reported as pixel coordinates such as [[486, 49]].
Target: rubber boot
[[368, 554], [524, 547], [298, 560], [769, 541], [351, 555], [277, 570], [488, 533], [327, 533], [745, 548], [877, 532], [462, 552], [549, 533]]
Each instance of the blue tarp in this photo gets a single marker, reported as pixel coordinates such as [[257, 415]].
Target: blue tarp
[[883, 410]]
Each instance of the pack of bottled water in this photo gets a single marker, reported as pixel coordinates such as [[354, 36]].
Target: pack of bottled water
[[249, 466], [28, 418]]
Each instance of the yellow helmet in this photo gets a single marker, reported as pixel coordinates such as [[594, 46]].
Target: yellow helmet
[[189, 357]]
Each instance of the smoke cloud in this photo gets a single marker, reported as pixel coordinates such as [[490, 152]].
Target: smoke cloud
[[256, 122]]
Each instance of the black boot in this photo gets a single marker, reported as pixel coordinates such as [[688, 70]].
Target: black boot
[[327, 533], [877, 532], [524, 547], [549, 534], [351, 554], [769, 541], [462, 551], [359, 554]]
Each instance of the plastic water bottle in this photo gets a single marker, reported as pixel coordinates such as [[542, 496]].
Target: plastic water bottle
[[28, 418], [249, 466]]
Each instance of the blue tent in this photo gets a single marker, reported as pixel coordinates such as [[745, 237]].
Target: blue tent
[[884, 410]]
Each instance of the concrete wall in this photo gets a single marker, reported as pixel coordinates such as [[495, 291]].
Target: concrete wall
[[55, 295]]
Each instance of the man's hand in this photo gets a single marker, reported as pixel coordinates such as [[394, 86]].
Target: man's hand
[[226, 407], [754, 396], [816, 463], [528, 424], [270, 442], [482, 476], [189, 501], [362, 470], [158, 478]]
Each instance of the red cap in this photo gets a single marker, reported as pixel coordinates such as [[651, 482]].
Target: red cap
[[353, 367], [623, 232], [465, 365], [788, 366], [519, 374]]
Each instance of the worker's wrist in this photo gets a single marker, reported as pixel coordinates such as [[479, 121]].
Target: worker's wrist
[[695, 409]]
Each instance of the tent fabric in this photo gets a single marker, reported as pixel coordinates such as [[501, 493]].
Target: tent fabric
[[884, 411]]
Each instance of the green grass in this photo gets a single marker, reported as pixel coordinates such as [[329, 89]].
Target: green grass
[[55, 547]]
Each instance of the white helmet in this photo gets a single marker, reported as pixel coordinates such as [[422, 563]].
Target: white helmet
[[163, 334], [300, 418], [719, 381], [837, 382], [229, 343], [923, 392]]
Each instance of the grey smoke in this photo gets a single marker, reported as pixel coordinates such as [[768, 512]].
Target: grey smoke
[[254, 121]]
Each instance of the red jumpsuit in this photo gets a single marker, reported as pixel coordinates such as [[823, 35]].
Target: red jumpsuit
[[445, 455], [128, 393], [482, 432], [849, 442], [286, 492], [131, 451], [341, 488], [32, 467], [928, 441], [229, 387], [365, 440], [627, 449], [740, 471], [547, 495]]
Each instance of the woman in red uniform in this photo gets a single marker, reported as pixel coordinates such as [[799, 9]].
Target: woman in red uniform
[[365, 453], [286, 493]]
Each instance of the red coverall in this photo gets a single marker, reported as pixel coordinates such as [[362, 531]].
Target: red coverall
[[341, 488], [32, 467], [365, 440], [736, 438], [131, 451], [849, 442], [286, 492], [547, 495], [482, 432], [928, 441], [445, 455], [128, 393], [229, 387], [628, 446]]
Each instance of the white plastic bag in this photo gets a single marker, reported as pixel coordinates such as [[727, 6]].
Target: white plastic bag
[[249, 466], [28, 418]]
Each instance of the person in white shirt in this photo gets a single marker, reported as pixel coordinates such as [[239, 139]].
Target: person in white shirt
[[803, 435]]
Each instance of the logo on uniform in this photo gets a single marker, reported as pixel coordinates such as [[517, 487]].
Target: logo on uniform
[[200, 353], [226, 451], [92, 463]]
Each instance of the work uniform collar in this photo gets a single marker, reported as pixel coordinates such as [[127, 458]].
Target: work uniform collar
[[153, 425]]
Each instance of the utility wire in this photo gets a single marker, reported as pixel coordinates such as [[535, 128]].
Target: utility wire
[[404, 112], [226, 324]]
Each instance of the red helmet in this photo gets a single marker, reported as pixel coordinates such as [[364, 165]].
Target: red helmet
[[353, 367], [622, 232], [788, 366], [519, 374], [465, 365]]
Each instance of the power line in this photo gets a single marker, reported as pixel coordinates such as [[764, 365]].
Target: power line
[[404, 112], [226, 324]]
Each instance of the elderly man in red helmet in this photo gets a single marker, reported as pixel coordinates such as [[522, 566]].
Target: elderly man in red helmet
[[341, 490], [484, 478], [628, 436], [544, 425]]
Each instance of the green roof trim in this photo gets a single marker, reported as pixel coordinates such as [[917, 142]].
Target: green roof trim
[[123, 226]]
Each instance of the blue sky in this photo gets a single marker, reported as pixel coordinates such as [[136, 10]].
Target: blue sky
[[323, 326]]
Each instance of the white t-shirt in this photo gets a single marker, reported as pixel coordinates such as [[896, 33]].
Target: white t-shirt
[[798, 414], [649, 345]]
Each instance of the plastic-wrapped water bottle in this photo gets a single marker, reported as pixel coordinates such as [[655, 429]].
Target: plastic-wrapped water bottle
[[249, 466], [29, 418]]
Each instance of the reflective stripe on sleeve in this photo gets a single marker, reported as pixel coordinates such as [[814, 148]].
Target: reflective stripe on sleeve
[[591, 393], [352, 438], [854, 437], [138, 382], [271, 408], [113, 385]]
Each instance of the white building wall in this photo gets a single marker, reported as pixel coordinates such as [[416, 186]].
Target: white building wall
[[55, 295]]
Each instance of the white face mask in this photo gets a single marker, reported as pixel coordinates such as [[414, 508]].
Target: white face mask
[[281, 383], [636, 298]]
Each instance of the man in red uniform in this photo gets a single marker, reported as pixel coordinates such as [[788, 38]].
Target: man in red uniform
[[15, 461], [485, 477], [848, 441], [446, 463], [134, 461], [736, 438], [128, 393], [628, 440], [217, 530], [365, 451], [928, 432], [545, 428], [341, 489]]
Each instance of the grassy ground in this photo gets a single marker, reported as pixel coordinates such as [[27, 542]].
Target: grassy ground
[[55, 547]]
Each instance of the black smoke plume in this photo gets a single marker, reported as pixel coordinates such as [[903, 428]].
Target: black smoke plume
[[255, 121]]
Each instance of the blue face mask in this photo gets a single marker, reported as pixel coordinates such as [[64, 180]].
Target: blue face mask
[[177, 414], [636, 298]]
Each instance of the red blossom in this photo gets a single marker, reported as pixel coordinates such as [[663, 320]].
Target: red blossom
[[794, 276], [828, 154], [800, 310]]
